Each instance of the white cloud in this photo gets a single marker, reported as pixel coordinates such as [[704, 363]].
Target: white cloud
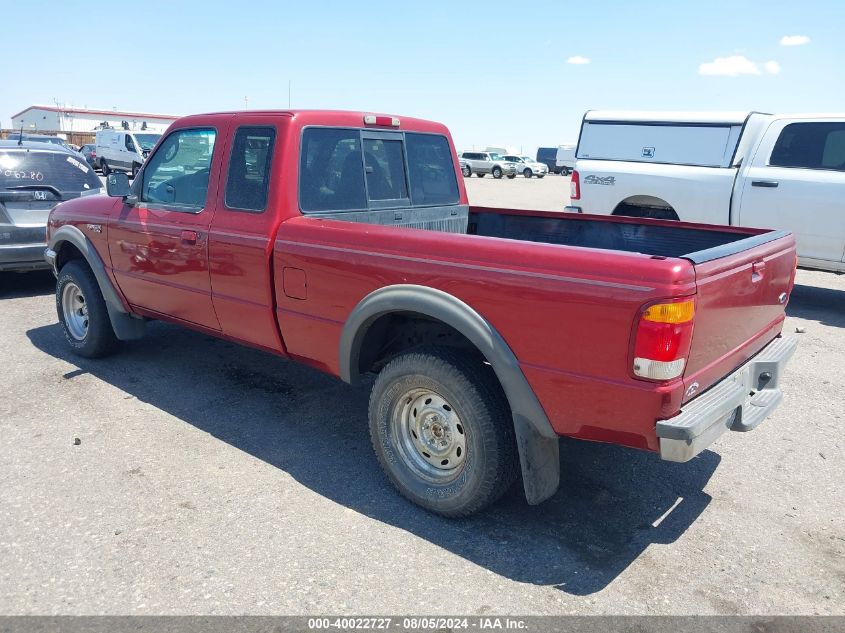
[[732, 66], [771, 67], [578, 59], [794, 40]]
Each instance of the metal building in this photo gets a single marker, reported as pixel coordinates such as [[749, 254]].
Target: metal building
[[67, 120]]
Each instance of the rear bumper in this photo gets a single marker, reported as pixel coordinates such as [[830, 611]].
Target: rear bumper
[[739, 402], [22, 257], [572, 209]]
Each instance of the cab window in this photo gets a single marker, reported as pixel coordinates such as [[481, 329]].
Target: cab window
[[249, 168], [811, 146], [177, 173]]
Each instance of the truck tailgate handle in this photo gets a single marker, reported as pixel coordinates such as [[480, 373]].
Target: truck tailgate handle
[[757, 270], [189, 237], [764, 183]]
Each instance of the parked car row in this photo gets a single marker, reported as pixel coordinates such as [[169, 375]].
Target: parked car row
[[498, 165]]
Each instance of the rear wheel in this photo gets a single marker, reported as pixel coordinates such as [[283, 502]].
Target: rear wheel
[[135, 168], [104, 167], [480, 175], [466, 171], [527, 173], [82, 311], [442, 431], [656, 213], [497, 172]]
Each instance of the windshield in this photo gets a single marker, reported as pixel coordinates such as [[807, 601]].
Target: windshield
[[527, 159], [513, 159], [147, 141], [34, 168], [496, 156]]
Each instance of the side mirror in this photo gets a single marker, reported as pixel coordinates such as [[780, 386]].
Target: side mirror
[[117, 185]]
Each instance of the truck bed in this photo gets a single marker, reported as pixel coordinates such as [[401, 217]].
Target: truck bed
[[697, 243]]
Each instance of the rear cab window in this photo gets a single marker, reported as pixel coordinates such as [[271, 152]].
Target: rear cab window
[[358, 169], [33, 169]]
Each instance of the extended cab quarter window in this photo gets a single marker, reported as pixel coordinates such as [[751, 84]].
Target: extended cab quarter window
[[177, 174], [249, 168], [811, 145]]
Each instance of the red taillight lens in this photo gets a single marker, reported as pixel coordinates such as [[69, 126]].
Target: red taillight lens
[[664, 336], [575, 186]]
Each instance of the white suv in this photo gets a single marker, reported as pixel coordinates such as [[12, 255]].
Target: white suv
[[527, 166], [483, 163]]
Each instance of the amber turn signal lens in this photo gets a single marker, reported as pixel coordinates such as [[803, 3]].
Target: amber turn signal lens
[[679, 312]]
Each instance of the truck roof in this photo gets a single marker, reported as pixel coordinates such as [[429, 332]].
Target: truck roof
[[342, 118], [733, 118]]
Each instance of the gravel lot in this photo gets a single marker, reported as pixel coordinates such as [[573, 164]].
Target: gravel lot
[[211, 478]]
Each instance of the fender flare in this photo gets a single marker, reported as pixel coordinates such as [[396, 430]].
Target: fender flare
[[537, 441], [126, 326]]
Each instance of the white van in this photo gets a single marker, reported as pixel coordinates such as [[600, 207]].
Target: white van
[[123, 150], [565, 159], [733, 168]]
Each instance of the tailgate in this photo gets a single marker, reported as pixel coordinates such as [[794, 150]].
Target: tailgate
[[740, 307]]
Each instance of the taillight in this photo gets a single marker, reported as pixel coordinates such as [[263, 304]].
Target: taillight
[[575, 186], [664, 335]]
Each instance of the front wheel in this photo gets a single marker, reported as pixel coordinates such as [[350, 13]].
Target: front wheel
[[497, 172], [527, 173], [82, 311], [466, 171], [442, 431]]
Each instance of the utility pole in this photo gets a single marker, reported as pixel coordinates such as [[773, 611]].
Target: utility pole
[[289, 83], [246, 103]]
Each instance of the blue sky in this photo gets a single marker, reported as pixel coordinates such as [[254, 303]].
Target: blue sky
[[495, 72]]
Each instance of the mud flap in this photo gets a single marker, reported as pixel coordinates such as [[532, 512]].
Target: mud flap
[[539, 458]]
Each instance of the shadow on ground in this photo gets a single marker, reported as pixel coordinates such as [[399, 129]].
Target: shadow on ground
[[825, 305], [21, 285], [613, 502]]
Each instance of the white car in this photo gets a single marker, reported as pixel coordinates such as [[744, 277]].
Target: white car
[[738, 169], [527, 166]]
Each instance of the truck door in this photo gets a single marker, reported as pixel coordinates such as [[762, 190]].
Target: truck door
[[243, 233], [796, 182], [159, 245]]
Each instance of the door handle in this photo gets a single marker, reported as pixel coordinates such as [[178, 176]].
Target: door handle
[[190, 237], [764, 183], [757, 270]]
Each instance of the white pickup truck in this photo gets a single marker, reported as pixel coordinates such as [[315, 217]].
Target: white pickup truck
[[735, 168]]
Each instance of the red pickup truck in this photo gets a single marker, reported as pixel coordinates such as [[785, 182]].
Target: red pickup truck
[[345, 241]]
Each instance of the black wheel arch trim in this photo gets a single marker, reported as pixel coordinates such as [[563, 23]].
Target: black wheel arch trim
[[537, 441], [126, 326]]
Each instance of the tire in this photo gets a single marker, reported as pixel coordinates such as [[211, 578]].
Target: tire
[[654, 213], [511, 176], [104, 167], [527, 173], [463, 404], [541, 176], [135, 168], [480, 175], [82, 311], [466, 171], [497, 172]]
